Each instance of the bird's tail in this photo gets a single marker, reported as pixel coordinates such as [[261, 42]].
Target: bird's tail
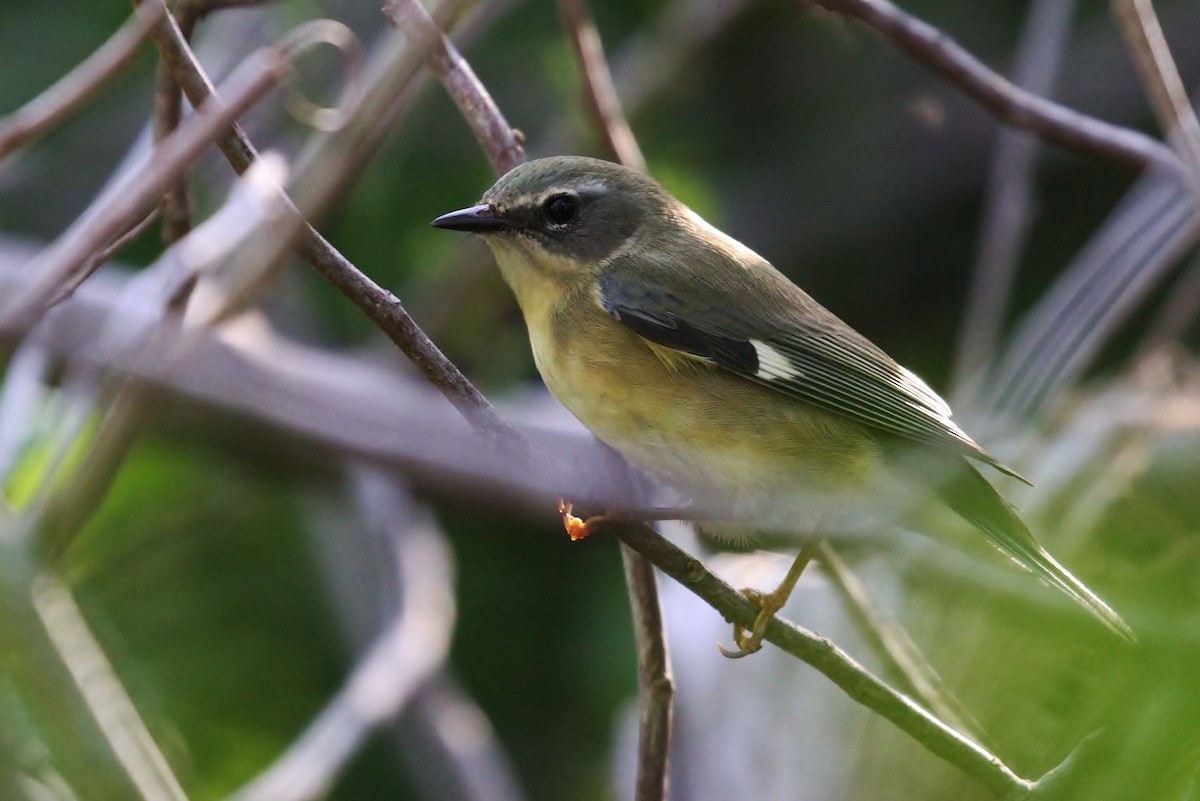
[[971, 496]]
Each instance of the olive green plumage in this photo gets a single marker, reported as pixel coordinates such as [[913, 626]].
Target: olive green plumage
[[699, 361]]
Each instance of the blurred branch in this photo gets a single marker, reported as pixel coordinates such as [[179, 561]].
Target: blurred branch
[[598, 86], [1009, 103], [403, 657], [1009, 195], [1177, 313], [859, 684], [49, 692], [124, 204], [504, 146], [891, 643], [1160, 77], [445, 764], [75, 88], [101, 256], [381, 307], [1111, 275], [106, 698], [656, 687]]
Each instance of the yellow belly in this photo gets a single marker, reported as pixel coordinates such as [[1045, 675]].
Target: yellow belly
[[689, 421]]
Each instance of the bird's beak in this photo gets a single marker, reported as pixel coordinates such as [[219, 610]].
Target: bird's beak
[[479, 219]]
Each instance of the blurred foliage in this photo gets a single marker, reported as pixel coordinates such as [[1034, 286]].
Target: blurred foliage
[[818, 145]]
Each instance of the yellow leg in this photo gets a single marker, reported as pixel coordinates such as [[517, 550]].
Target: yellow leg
[[749, 642]]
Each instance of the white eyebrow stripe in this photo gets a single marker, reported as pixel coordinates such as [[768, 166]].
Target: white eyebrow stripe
[[771, 363]]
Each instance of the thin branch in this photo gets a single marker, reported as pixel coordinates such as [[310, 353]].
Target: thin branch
[[504, 146], [1010, 104], [599, 91], [49, 693], [75, 88], [381, 307], [130, 199], [1177, 313], [1160, 77], [103, 692], [99, 258], [405, 655], [892, 644], [1007, 212], [859, 684], [656, 686]]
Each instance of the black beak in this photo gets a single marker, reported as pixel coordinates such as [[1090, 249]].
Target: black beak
[[479, 219]]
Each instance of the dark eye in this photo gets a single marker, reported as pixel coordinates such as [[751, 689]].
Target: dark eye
[[561, 209]]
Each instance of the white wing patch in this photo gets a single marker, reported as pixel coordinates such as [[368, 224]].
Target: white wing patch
[[773, 365]]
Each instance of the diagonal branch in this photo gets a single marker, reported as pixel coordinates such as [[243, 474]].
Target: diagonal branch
[[1160, 76], [1009, 103], [858, 683], [599, 90], [503, 145], [75, 88], [381, 307]]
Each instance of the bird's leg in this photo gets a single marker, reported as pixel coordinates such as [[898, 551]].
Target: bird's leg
[[749, 642]]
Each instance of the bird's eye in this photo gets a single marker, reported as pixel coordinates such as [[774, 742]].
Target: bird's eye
[[561, 209]]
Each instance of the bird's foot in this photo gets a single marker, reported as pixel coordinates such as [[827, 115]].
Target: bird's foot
[[749, 641]]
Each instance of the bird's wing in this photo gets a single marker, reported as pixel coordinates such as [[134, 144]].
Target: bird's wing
[[765, 329]]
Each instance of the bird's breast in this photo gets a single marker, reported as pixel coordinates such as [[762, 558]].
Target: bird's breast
[[687, 420]]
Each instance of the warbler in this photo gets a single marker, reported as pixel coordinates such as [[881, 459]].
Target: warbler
[[699, 362]]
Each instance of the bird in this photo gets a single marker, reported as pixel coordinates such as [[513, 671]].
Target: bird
[[702, 364]]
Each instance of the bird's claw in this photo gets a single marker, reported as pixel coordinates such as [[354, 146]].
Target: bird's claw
[[749, 641]]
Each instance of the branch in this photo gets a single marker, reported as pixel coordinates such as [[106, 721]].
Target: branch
[[1007, 211], [1160, 77], [859, 684], [599, 90], [892, 644], [405, 655], [1008, 103], [503, 145], [130, 199], [381, 307], [75, 88], [656, 687]]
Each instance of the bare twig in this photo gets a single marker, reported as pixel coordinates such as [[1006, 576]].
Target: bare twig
[[892, 644], [656, 687], [1007, 212], [820, 653], [49, 691], [76, 87], [404, 656], [502, 144], [105, 696], [1008, 103], [382, 307], [599, 91], [121, 207], [1160, 76], [99, 258]]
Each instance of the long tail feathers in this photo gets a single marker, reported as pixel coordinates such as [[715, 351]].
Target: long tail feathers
[[971, 495]]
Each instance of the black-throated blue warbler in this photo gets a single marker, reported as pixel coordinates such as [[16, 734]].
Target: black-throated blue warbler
[[700, 362]]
